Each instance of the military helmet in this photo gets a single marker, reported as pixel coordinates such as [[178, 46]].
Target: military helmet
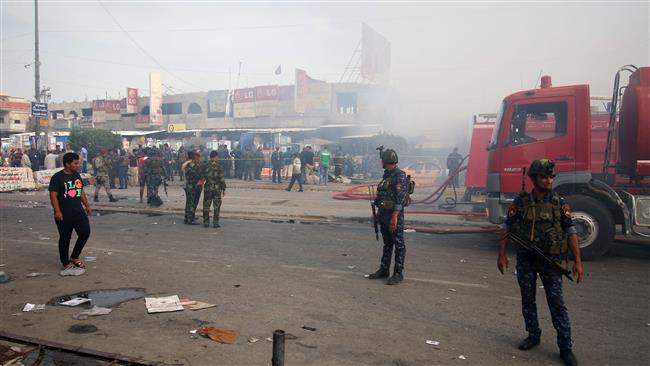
[[544, 167], [389, 156]]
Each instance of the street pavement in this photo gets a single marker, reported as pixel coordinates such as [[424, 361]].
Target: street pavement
[[267, 275]]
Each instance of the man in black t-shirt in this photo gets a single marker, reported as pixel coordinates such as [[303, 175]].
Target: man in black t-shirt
[[67, 196]]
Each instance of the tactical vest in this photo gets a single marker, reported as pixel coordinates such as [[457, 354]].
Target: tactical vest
[[386, 194], [154, 166], [541, 225]]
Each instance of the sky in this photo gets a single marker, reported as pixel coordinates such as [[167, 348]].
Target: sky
[[449, 59]]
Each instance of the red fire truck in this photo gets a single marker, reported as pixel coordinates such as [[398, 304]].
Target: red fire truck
[[603, 162]]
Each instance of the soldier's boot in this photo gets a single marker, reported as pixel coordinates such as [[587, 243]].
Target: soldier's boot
[[568, 357], [397, 278], [216, 225], [528, 343], [381, 273], [112, 199]]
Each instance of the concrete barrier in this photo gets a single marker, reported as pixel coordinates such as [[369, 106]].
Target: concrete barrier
[[14, 179]]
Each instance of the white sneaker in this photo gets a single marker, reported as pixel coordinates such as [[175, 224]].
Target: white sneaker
[[72, 271]]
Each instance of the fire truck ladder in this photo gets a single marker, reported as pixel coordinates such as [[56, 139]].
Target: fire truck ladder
[[612, 117]]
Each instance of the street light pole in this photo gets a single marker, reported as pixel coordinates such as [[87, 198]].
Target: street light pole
[[37, 75]]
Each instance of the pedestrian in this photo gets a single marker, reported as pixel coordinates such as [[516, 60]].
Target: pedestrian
[[154, 175], [249, 164], [453, 163], [25, 161], [390, 200], [296, 175], [50, 160], [239, 163], [67, 196], [542, 219], [83, 154], [142, 181], [180, 159], [112, 170], [102, 168], [276, 165], [324, 156], [33, 158], [167, 162], [338, 159], [258, 156], [307, 162], [288, 162], [213, 189], [41, 159], [193, 186], [123, 169]]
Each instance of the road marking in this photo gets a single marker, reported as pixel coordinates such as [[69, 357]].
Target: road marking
[[55, 243], [416, 279]]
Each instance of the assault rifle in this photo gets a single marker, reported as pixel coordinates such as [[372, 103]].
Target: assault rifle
[[374, 212], [540, 254]]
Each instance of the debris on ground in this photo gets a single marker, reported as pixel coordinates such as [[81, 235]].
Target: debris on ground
[[433, 343], [352, 267], [33, 307], [199, 305], [94, 311], [185, 302], [75, 301], [82, 328], [4, 277], [90, 259], [462, 357], [36, 274], [366, 275], [253, 340], [223, 336], [463, 261], [409, 230], [72, 271], [452, 289], [311, 329], [163, 304], [11, 355], [268, 339]]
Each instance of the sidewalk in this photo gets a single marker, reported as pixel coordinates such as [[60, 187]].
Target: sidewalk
[[259, 200]]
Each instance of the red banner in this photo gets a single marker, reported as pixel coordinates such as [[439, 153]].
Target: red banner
[[266, 92], [112, 106], [244, 95], [15, 105], [132, 96], [99, 105]]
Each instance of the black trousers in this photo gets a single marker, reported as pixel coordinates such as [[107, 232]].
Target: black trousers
[[82, 228]]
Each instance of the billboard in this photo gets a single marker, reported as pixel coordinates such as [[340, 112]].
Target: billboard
[[217, 101], [131, 100], [99, 111], [266, 100], [311, 96], [155, 99], [244, 103], [375, 56]]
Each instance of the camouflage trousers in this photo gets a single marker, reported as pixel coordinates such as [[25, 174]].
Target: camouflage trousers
[[391, 240], [528, 268], [102, 181], [211, 197], [153, 183], [192, 196]]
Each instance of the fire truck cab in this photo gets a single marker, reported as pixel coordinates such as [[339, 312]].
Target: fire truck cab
[[603, 170]]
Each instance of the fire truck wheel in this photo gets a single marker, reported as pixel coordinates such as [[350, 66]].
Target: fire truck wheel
[[594, 223]]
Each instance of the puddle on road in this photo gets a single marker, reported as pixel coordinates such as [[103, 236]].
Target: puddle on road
[[103, 298]]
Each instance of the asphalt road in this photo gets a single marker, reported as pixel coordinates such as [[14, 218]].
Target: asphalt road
[[265, 276]]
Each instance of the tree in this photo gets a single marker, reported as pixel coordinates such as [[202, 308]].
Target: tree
[[93, 140]]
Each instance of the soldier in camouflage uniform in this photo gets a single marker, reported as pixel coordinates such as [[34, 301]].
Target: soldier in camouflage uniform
[[543, 219], [213, 189], [391, 197], [154, 175], [193, 186], [102, 168]]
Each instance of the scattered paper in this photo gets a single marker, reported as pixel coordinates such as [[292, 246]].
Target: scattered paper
[[366, 275], [463, 261], [193, 331], [90, 259], [268, 339], [433, 343], [36, 274], [163, 304], [186, 302], [33, 307], [452, 289], [352, 267], [253, 340], [462, 357], [75, 301]]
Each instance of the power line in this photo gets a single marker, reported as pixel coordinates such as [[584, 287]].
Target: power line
[[143, 50]]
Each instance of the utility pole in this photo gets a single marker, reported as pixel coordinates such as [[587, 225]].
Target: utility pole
[[37, 74]]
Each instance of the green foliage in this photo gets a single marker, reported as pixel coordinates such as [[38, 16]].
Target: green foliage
[[93, 140]]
